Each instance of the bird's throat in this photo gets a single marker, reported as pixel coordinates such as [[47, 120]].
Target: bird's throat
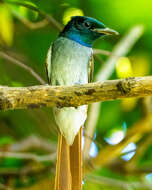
[[77, 37]]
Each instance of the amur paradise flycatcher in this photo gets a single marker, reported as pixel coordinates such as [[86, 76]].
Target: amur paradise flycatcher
[[70, 62]]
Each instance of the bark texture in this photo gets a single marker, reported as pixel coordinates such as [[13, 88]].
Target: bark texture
[[67, 96]]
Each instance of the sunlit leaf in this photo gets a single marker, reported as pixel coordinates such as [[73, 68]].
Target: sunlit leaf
[[71, 12], [124, 68], [28, 13], [16, 84], [6, 25], [90, 185], [11, 162], [128, 104], [6, 140], [141, 66]]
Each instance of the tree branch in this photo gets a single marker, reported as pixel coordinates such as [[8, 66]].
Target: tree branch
[[67, 96], [29, 24], [7, 57]]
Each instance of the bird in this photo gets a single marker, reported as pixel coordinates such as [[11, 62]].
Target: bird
[[70, 62]]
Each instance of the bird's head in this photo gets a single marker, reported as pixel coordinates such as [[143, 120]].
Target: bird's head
[[85, 30]]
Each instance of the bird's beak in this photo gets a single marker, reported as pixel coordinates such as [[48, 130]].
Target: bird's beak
[[106, 31]]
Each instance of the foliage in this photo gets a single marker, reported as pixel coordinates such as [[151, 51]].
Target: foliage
[[18, 39]]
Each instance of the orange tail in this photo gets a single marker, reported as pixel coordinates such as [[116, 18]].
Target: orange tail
[[76, 162], [63, 173], [69, 164]]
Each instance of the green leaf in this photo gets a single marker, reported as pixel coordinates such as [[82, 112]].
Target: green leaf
[[16, 84], [6, 140], [27, 13], [6, 25], [11, 163]]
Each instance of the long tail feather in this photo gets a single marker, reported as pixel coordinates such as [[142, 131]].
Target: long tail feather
[[63, 173], [76, 162]]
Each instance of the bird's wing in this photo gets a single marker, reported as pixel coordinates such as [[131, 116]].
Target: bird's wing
[[48, 64], [91, 68]]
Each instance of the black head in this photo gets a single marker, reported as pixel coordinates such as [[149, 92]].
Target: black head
[[85, 30]]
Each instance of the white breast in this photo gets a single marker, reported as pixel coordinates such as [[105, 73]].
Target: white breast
[[69, 66], [69, 62]]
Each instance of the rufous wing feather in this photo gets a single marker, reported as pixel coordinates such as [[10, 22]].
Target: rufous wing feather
[[91, 68]]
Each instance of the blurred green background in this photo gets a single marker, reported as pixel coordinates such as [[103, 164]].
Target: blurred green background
[[132, 169]]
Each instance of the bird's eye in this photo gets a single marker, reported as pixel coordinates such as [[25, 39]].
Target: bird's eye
[[87, 24]]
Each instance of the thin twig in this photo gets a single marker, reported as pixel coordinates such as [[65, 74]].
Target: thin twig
[[115, 182], [28, 156], [33, 142], [4, 187], [91, 122], [100, 51], [29, 24], [33, 25], [20, 64], [49, 18]]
